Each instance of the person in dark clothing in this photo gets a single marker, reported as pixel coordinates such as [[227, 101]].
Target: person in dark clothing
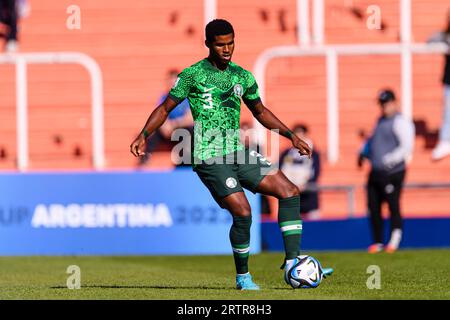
[[442, 149], [180, 117], [247, 134], [389, 149], [304, 173], [9, 16]]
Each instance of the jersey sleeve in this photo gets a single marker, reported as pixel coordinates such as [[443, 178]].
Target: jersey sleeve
[[251, 94], [405, 132], [182, 86]]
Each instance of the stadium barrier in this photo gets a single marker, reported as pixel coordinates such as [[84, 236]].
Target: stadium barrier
[[114, 213], [355, 234], [350, 190]]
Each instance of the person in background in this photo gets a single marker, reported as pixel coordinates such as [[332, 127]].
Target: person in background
[[304, 173], [248, 140], [442, 149], [388, 149], [247, 136], [9, 16], [180, 117]]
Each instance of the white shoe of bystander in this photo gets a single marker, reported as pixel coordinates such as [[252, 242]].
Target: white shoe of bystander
[[441, 151]]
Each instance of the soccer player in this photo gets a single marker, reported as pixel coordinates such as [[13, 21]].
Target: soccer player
[[389, 149], [214, 87]]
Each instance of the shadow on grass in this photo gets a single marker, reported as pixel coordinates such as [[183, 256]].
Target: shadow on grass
[[145, 287]]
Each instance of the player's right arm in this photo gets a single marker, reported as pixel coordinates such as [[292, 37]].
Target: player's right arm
[[364, 153], [178, 93], [154, 121]]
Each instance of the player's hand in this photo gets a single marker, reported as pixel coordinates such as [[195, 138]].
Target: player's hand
[[360, 161], [303, 148], [138, 146]]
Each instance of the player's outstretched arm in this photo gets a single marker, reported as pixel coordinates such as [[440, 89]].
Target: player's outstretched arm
[[271, 122], [154, 121]]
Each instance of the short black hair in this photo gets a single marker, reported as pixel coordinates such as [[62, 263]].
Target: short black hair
[[385, 96], [217, 27]]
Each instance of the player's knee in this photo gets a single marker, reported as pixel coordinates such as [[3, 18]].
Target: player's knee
[[242, 210], [245, 212]]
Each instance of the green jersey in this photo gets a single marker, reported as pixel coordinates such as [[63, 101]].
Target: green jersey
[[215, 99]]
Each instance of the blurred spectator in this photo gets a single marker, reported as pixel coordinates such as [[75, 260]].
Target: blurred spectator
[[388, 150], [180, 117], [303, 172], [247, 139], [9, 15], [443, 147]]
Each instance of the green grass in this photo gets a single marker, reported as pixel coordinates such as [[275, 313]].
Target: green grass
[[408, 274]]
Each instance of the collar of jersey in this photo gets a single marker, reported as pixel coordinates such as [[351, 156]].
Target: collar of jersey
[[210, 65]]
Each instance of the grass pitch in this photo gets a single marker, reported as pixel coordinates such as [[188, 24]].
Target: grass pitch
[[407, 274]]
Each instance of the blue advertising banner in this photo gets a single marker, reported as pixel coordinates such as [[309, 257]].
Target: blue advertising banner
[[114, 213], [356, 234]]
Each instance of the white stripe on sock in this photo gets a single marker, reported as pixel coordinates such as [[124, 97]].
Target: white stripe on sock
[[291, 227], [241, 250]]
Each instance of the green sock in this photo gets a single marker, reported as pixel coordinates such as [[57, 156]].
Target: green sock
[[291, 225], [240, 242]]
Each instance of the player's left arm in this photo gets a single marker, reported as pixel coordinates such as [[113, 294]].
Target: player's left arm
[[405, 132], [271, 122]]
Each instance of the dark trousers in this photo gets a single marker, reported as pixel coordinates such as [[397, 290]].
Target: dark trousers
[[309, 201], [384, 187], [8, 15], [156, 140]]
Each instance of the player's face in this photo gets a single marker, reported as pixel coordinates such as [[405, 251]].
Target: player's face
[[300, 133], [221, 49]]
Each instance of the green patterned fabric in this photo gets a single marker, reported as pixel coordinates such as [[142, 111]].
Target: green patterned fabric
[[215, 100], [240, 242], [290, 225]]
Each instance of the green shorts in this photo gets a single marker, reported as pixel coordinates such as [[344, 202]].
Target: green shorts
[[229, 174]]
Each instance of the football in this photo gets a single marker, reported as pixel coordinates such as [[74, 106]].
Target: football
[[306, 272]]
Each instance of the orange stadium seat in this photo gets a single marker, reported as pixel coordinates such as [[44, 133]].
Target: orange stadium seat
[[135, 44]]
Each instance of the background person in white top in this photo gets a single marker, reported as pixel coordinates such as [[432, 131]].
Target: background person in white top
[[442, 149], [304, 172], [388, 149]]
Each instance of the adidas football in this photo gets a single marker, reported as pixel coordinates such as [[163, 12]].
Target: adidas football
[[306, 272]]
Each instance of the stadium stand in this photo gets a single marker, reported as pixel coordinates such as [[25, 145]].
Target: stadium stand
[[135, 45]]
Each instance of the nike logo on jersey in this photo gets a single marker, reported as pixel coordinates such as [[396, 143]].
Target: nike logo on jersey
[[208, 89]]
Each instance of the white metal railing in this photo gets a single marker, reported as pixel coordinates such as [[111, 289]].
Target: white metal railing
[[21, 61], [209, 11], [332, 52], [303, 23], [350, 191]]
